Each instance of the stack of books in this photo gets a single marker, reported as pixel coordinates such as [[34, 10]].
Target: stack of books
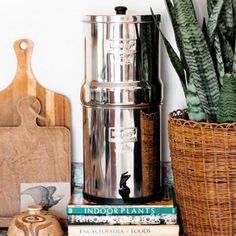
[[155, 218]]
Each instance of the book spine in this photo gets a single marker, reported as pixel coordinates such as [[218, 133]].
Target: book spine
[[126, 230], [122, 219], [120, 210]]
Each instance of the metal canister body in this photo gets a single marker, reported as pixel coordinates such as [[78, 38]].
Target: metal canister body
[[121, 97]]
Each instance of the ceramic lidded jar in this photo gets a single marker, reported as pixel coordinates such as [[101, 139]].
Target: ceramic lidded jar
[[35, 222]]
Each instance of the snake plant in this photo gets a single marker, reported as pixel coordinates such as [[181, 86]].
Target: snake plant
[[206, 63]]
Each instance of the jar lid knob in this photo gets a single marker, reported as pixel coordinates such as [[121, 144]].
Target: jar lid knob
[[34, 208], [120, 10]]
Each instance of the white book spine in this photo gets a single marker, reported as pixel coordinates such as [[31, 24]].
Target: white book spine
[[126, 230]]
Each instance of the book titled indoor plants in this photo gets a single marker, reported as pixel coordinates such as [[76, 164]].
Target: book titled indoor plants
[[203, 137]]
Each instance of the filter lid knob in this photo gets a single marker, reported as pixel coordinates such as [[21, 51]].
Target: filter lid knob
[[120, 10]]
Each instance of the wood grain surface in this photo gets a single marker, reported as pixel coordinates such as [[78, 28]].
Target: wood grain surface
[[29, 154], [55, 107]]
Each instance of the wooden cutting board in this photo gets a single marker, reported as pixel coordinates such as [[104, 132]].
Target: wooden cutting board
[[30, 154], [55, 107]]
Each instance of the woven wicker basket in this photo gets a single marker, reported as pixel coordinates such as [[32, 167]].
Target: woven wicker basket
[[204, 168]]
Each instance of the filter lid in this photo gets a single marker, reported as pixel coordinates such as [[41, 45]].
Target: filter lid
[[120, 17]]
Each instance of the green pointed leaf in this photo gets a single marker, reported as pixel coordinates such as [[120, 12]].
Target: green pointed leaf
[[234, 33], [210, 6], [198, 59], [178, 38], [195, 109], [227, 102], [219, 60], [227, 53], [213, 20], [234, 7], [190, 6], [234, 64], [227, 19], [171, 10], [175, 60]]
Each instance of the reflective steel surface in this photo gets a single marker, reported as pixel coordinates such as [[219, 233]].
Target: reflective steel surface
[[121, 97]]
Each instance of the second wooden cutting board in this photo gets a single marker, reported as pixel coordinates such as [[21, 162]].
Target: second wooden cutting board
[[55, 107], [30, 154]]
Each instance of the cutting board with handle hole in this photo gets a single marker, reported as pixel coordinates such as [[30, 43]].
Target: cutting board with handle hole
[[55, 107], [30, 154]]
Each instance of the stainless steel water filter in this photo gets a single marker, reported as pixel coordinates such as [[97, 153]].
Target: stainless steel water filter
[[121, 97]]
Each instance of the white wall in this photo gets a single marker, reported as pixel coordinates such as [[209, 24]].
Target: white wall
[[56, 29]]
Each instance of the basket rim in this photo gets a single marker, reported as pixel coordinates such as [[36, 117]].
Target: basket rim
[[178, 116]]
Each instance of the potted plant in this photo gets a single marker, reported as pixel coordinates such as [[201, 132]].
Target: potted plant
[[203, 137]]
